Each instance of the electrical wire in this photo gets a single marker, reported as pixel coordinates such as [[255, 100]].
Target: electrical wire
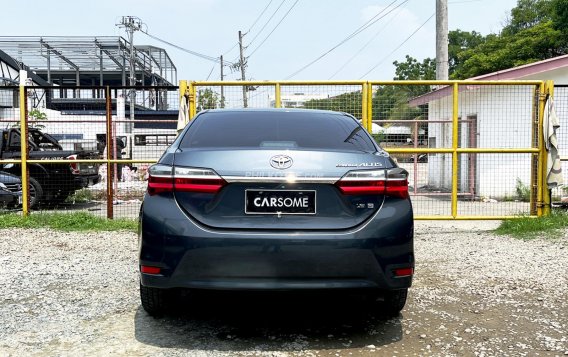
[[212, 68], [362, 28], [230, 49], [259, 16], [463, 2], [194, 53], [275, 27], [367, 44], [266, 23], [399, 46]]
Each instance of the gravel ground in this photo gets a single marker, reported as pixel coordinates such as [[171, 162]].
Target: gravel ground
[[475, 294]]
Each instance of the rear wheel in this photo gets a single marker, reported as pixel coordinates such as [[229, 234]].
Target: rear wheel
[[155, 301], [394, 301], [35, 192], [389, 303]]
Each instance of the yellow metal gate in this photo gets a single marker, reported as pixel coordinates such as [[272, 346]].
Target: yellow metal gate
[[474, 149]]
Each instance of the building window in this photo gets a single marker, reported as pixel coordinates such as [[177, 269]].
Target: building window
[[154, 139]]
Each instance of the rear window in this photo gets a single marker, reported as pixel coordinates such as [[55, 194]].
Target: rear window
[[279, 130]]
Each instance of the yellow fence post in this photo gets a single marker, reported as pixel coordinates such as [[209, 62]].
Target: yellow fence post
[[277, 96], [192, 106], [541, 169], [455, 150], [364, 108], [370, 106], [24, 149], [364, 114]]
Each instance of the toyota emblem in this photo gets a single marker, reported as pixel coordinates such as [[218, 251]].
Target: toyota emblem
[[281, 162]]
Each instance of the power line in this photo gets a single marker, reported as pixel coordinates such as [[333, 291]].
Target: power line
[[366, 44], [259, 16], [197, 54], [399, 46], [374, 19], [268, 21], [275, 27], [362, 28], [230, 49], [209, 75]]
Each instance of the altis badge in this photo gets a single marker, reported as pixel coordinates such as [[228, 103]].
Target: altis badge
[[363, 164]]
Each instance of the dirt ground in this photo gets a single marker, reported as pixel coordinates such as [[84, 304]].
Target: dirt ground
[[474, 294]]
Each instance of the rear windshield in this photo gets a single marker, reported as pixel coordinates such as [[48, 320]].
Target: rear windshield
[[281, 130]]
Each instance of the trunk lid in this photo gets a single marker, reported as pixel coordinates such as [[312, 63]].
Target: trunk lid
[[273, 181]]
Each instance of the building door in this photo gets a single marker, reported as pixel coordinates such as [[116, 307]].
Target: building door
[[467, 168], [472, 158]]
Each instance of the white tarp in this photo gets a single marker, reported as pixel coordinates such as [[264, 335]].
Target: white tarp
[[550, 126], [398, 130], [183, 115], [377, 129]]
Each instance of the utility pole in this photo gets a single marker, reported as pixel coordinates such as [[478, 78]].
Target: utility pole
[[442, 40], [242, 65], [222, 87], [131, 24]]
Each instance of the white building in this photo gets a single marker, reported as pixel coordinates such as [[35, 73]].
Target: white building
[[295, 100], [493, 117]]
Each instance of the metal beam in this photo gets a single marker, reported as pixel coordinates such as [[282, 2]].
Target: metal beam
[[107, 52], [59, 54]]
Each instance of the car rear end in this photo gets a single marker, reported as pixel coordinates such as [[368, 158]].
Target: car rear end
[[10, 190], [278, 200]]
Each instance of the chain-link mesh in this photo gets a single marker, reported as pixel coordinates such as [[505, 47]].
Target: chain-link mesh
[[488, 117], [10, 180], [73, 124], [413, 122], [559, 195]]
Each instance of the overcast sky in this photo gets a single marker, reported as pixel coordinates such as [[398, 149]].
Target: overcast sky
[[310, 29]]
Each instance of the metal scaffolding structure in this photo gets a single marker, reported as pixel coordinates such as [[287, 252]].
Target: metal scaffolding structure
[[90, 61]]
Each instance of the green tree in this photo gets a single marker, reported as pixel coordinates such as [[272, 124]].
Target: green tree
[[412, 69], [559, 16], [536, 30], [500, 52], [459, 41], [347, 102], [527, 14], [207, 99]]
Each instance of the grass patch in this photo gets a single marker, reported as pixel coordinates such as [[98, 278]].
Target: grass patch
[[80, 196], [525, 227], [77, 221]]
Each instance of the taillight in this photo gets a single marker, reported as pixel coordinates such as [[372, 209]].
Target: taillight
[[73, 166], [389, 182], [165, 178], [188, 179], [160, 179]]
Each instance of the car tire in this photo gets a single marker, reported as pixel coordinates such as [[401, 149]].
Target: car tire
[[155, 301], [60, 197], [386, 303], [393, 302], [35, 192]]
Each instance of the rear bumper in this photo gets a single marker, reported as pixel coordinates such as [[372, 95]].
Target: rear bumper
[[82, 181], [192, 256], [8, 198]]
